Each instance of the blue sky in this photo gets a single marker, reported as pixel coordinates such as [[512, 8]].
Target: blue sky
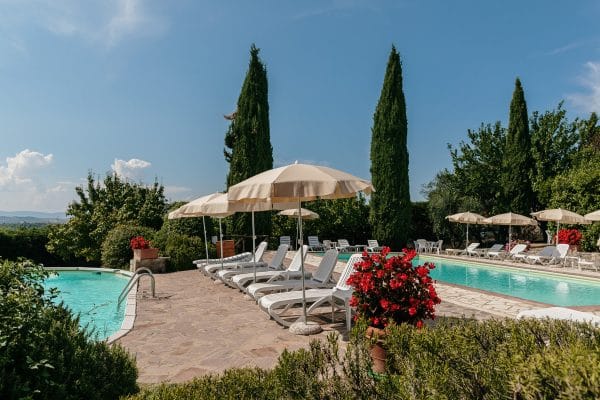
[[140, 87]]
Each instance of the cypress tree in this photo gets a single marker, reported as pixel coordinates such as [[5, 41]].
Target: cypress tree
[[249, 139], [390, 203], [517, 162]]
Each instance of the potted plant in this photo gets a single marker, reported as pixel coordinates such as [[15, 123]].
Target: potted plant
[[391, 290], [141, 249]]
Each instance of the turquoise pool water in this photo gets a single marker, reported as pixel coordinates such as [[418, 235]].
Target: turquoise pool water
[[547, 288], [93, 295]]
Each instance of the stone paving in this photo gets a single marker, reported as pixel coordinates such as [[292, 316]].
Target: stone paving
[[196, 327]]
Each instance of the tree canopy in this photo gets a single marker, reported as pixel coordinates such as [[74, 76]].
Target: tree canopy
[[390, 203]]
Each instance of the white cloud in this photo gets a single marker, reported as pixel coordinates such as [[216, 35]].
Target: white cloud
[[104, 22], [19, 168], [590, 80], [25, 185], [132, 169]]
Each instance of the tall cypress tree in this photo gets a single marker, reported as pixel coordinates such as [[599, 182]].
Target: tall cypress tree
[[517, 162], [390, 203], [249, 141]]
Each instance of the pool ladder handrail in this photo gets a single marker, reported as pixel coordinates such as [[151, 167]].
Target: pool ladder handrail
[[134, 279]]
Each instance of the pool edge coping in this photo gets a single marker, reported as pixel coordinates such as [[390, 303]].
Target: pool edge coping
[[130, 300]]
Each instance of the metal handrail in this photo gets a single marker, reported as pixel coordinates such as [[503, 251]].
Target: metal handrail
[[134, 279]]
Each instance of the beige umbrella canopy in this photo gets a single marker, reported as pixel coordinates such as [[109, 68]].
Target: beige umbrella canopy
[[466, 218], [298, 183], [593, 216], [304, 213], [509, 219], [559, 216]]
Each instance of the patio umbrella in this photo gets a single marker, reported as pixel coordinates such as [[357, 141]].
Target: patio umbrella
[[593, 216], [191, 210], [298, 183], [221, 205], [194, 208], [559, 215], [466, 218], [304, 214], [509, 219]]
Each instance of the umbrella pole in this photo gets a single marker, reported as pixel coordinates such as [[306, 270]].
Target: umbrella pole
[[221, 241], [302, 262], [253, 246], [467, 236], [205, 241], [557, 229], [509, 234]]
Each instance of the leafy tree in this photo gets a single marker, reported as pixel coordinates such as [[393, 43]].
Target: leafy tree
[[249, 141], [478, 165], [517, 162], [390, 204], [553, 143], [102, 208]]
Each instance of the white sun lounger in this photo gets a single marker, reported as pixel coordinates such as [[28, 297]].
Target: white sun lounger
[[561, 313], [321, 278], [276, 263], [373, 246], [277, 303], [517, 253], [291, 272], [470, 250], [548, 255], [211, 269]]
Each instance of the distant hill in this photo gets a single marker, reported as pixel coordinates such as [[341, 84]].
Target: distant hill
[[31, 218]]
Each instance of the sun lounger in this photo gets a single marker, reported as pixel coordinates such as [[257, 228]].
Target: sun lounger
[[591, 261], [561, 313], [373, 246], [276, 263], [321, 278], [211, 269], [517, 253], [483, 252], [277, 303], [470, 250], [292, 272], [238, 257], [314, 244], [546, 256]]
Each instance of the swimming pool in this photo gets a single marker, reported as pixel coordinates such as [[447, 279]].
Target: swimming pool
[[555, 289], [93, 295]]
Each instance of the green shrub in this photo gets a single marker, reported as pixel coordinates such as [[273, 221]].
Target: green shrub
[[44, 354], [116, 250], [182, 249], [30, 243]]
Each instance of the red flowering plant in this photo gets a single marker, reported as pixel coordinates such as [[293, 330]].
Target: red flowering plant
[[138, 242], [392, 289], [569, 236]]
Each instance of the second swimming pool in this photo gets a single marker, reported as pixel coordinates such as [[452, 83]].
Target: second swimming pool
[[555, 289]]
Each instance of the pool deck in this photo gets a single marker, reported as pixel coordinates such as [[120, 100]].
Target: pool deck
[[196, 326]]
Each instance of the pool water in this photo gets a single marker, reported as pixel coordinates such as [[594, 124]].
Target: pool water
[[547, 288], [93, 295]]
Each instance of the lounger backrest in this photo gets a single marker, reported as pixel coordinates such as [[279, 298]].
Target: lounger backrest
[[295, 265], [260, 251], [373, 243], [496, 247], [548, 251], [562, 250], [285, 240], [313, 241], [277, 259], [519, 248], [472, 246], [325, 268], [343, 243], [348, 270]]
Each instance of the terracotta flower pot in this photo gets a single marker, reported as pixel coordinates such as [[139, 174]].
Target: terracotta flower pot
[[144, 254], [377, 351]]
